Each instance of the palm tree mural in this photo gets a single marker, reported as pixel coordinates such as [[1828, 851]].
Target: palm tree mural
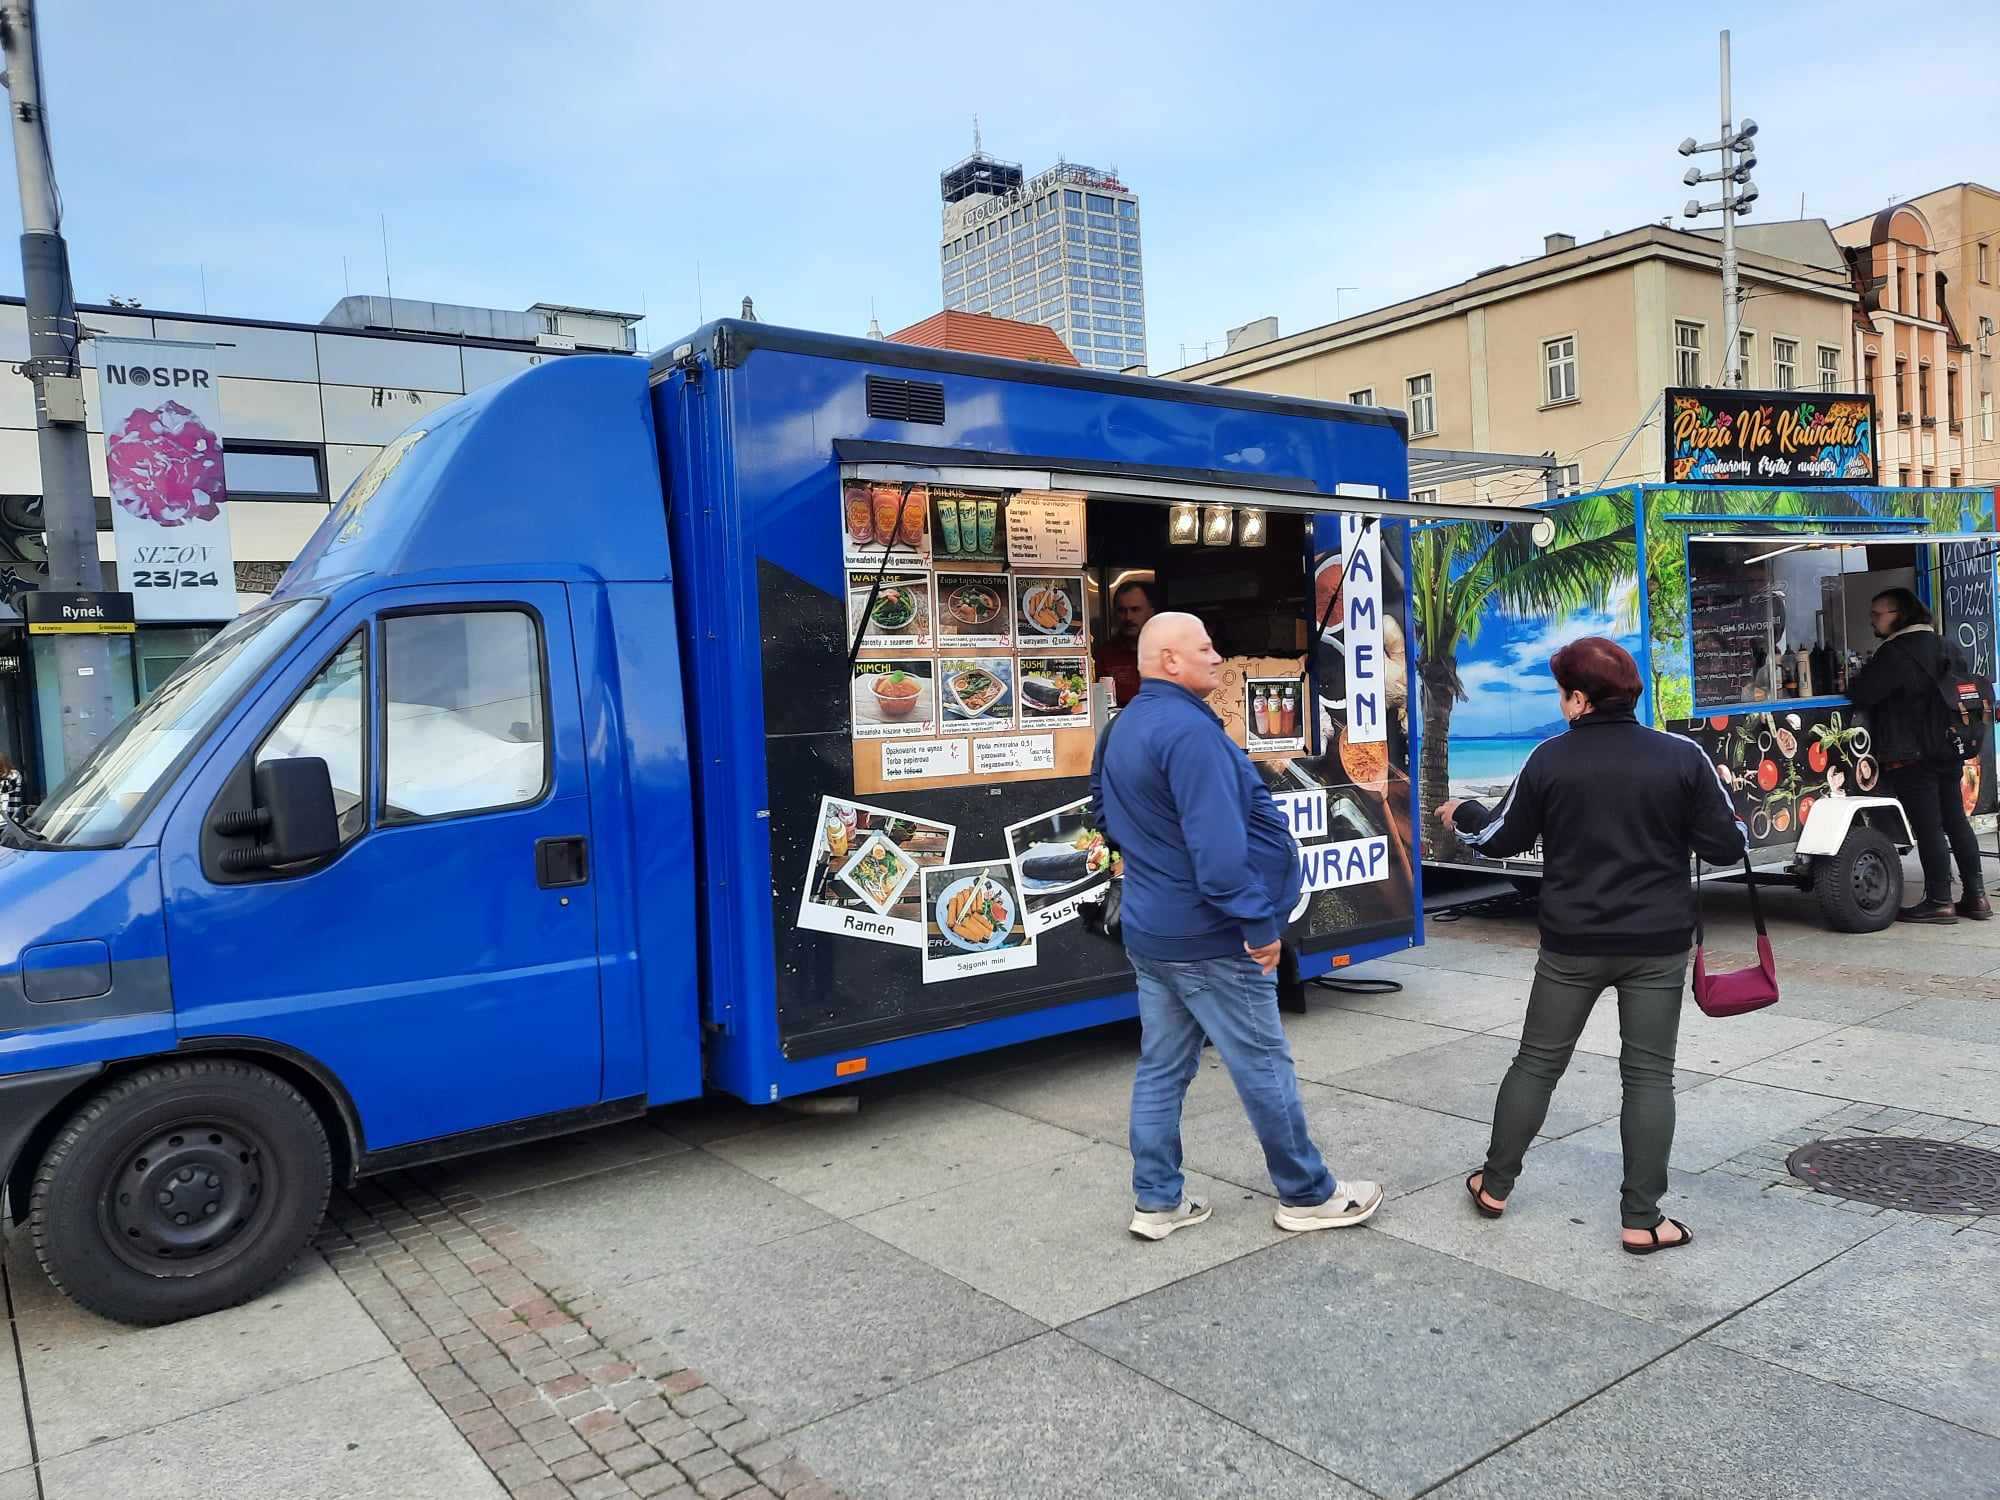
[[1463, 569]]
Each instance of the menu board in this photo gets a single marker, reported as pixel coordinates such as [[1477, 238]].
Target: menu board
[[968, 630], [1728, 629], [1045, 529], [1965, 602]]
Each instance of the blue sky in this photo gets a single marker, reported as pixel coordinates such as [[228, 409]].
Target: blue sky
[[598, 153]]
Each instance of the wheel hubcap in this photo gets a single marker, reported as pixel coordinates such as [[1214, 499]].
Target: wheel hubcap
[[183, 1197], [1871, 882]]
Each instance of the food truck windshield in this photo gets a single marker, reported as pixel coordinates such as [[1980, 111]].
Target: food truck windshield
[[1777, 619]]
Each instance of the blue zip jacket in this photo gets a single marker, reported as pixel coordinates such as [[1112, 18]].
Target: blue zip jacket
[[1209, 862]]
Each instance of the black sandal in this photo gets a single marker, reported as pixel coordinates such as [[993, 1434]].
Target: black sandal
[[1486, 1211], [1687, 1238]]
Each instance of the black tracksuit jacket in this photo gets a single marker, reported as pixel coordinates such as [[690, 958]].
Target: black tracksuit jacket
[[1618, 807], [1897, 693]]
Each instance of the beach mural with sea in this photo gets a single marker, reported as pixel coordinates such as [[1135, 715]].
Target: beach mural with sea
[[1491, 608]]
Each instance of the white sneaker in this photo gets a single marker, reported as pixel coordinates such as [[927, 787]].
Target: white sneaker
[[1158, 1225], [1351, 1203]]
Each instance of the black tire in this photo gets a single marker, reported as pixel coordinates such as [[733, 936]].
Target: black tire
[[181, 1189], [1861, 887]]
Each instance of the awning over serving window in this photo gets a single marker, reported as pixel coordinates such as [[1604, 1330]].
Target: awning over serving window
[[1781, 542], [893, 463]]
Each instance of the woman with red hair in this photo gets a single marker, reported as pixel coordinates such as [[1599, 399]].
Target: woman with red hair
[[1619, 809]]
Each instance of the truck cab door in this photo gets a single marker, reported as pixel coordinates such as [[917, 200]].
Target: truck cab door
[[442, 963]]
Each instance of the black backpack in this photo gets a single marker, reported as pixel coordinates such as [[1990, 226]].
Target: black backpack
[[1967, 716]]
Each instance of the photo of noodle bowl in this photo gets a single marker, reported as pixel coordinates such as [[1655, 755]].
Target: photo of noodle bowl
[[979, 691]]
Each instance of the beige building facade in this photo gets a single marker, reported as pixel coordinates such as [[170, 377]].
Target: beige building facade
[[1568, 353], [1929, 273]]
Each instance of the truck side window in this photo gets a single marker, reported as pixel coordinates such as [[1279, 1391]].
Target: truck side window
[[466, 721], [329, 720]]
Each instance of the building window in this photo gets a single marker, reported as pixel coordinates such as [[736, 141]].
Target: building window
[[1127, 209], [1559, 369], [1902, 289], [1985, 416], [1829, 368], [1687, 353], [1746, 351], [1930, 478], [1903, 477], [1072, 198], [1985, 261], [1569, 478], [1425, 497], [1924, 411], [253, 473], [1785, 364], [1957, 478], [1903, 390], [1422, 392], [1951, 396], [1363, 397]]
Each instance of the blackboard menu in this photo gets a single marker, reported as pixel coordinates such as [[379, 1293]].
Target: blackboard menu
[[1964, 598], [1729, 626]]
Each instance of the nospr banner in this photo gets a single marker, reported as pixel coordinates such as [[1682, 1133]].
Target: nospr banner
[[162, 412]]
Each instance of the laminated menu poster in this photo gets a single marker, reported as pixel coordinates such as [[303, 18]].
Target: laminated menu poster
[[977, 694], [969, 525], [1055, 692], [973, 922], [1045, 529], [885, 524], [1061, 861], [895, 700], [862, 879], [972, 610], [897, 610], [1273, 713], [1048, 611]]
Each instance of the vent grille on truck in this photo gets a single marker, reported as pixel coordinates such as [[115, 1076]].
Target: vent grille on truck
[[905, 400]]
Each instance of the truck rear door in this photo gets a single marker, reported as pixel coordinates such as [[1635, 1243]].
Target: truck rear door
[[443, 963]]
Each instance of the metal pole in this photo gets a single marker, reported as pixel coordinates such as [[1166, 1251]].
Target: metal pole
[[89, 703], [1732, 371]]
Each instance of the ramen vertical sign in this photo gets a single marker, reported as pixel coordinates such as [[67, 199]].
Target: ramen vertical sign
[[163, 452]]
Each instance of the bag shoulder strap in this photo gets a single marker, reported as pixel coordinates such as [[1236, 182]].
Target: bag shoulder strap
[[1750, 884]]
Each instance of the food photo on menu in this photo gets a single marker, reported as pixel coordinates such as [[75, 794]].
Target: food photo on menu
[[968, 524], [1060, 860], [972, 609], [862, 877], [894, 700], [1048, 610], [1054, 692], [897, 610], [885, 523], [973, 922], [977, 693]]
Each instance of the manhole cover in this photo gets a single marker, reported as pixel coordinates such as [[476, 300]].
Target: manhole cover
[[1925, 1177]]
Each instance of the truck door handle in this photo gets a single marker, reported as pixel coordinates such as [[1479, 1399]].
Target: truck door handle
[[561, 862]]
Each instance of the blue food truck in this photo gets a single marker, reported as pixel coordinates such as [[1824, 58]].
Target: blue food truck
[[631, 731]]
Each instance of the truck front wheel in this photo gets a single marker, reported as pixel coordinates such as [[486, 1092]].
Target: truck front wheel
[[179, 1190], [1861, 886]]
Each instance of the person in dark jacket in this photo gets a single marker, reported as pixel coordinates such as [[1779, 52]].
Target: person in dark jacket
[[1618, 808], [1898, 693], [1212, 875]]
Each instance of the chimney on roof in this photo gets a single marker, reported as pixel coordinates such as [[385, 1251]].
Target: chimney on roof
[[1250, 335], [1555, 244], [749, 312]]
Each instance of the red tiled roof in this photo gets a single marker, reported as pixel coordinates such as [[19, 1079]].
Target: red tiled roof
[[982, 333]]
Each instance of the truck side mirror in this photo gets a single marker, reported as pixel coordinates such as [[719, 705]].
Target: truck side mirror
[[296, 797]]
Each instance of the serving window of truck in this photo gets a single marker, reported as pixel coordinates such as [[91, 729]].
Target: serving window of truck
[[940, 846]]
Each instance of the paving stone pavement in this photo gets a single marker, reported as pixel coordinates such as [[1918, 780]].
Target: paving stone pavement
[[559, 1393], [934, 1297]]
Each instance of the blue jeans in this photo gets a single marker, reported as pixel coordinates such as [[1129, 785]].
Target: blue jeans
[[1237, 1008]]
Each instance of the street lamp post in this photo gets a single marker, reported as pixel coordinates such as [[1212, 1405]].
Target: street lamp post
[[1738, 193]]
